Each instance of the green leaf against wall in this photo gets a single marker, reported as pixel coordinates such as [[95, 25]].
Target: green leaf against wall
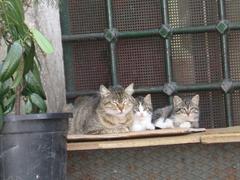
[[4, 89], [42, 41], [33, 84], [28, 107], [29, 56], [39, 102], [13, 18], [9, 103], [11, 61]]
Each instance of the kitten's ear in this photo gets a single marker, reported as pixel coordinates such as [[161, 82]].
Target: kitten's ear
[[176, 100], [147, 99], [195, 99], [104, 91], [129, 90]]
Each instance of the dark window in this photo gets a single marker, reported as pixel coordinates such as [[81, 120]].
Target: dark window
[[165, 47]]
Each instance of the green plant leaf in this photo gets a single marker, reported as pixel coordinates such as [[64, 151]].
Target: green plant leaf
[[18, 74], [9, 103], [11, 61], [39, 102], [29, 55], [13, 18], [4, 89], [42, 41], [33, 84], [28, 107]]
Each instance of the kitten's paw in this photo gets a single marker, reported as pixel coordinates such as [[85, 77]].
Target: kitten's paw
[[185, 125], [150, 127], [164, 123]]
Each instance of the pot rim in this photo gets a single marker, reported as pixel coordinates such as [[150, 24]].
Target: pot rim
[[39, 116]]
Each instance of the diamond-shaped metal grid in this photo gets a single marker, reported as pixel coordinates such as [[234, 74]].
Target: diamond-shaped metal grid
[[165, 31], [176, 162], [222, 26]]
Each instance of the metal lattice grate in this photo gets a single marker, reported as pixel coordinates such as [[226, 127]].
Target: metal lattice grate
[[91, 64], [141, 61], [236, 107], [188, 162], [192, 13], [232, 10], [136, 15], [87, 16], [234, 54], [156, 44], [196, 58]]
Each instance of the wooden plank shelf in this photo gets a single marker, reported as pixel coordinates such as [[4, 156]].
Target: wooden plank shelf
[[153, 138]]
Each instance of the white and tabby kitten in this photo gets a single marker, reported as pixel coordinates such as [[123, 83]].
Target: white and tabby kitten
[[183, 114], [142, 114]]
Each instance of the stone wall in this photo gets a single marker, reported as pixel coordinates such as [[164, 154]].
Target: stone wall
[[46, 18]]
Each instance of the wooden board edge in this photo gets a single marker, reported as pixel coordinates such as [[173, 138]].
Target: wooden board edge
[[134, 143], [220, 138]]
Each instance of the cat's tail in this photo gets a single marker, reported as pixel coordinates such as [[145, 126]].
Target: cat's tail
[[163, 123], [70, 109], [164, 112]]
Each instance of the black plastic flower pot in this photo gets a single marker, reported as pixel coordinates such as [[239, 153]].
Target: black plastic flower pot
[[34, 147]]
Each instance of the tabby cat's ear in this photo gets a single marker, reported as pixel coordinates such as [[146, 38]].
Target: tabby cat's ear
[[104, 91], [195, 99], [129, 90], [147, 99], [176, 100]]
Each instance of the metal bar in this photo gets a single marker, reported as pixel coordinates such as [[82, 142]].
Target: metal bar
[[82, 37], [159, 89], [147, 33], [234, 26], [226, 66], [112, 45], [109, 14], [114, 63], [196, 29], [68, 64], [167, 44], [67, 50], [65, 22], [139, 34]]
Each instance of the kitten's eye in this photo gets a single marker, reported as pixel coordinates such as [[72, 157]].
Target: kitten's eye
[[193, 109], [178, 111], [115, 102], [125, 101]]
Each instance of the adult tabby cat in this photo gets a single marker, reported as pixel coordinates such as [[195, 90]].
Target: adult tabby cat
[[108, 112], [184, 114]]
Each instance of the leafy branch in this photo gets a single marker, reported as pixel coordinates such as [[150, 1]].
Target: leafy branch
[[20, 72]]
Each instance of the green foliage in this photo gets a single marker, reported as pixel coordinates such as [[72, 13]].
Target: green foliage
[[11, 62], [42, 41], [19, 71]]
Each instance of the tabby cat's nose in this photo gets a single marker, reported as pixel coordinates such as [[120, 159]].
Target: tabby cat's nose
[[120, 107]]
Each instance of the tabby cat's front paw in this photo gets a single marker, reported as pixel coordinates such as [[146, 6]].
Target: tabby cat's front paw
[[185, 125], [115, 130]]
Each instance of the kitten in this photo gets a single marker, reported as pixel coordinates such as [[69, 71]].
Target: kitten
[[108, 112], [142, 114], [184, 114]]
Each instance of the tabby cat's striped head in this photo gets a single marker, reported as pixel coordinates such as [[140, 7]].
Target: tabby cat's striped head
[[187, 109], [117, 101]]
